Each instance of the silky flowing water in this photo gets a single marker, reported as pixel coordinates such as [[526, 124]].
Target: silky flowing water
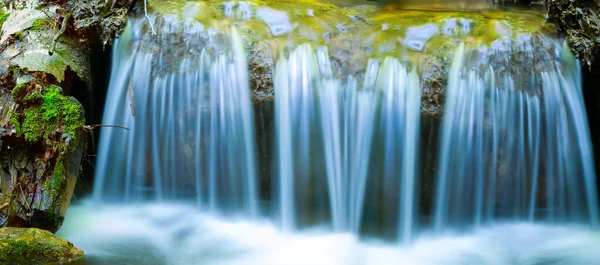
[[350, 179]]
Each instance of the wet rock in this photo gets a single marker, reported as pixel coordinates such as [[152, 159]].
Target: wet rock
[[41, 150], [100, 21], [580, 21], [41, 127], [29, 246], [352, 36]]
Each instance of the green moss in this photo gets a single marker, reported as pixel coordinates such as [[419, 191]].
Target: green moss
[[55, 112], [22, 249], [34, 246], [55, 184], [18, 35], [3, 17], [52, 119], [18, 91], [41, 24], [33, 99], [14, 121]]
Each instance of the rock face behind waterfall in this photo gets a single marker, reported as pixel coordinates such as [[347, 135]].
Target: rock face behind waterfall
[[355, 40], [580, 21], [351, 35], [43, 58]]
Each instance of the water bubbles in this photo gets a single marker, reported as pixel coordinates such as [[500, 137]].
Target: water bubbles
[[340, 27], [450, 27], [504, 29], [466, 25], [416, 37], [501, 45], [228, 9], [244, 11], [278, 21], [456, 27]]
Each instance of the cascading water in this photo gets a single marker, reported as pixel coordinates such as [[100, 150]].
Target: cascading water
[[192, 131], [510, 151], [328, 129], [351, 154]]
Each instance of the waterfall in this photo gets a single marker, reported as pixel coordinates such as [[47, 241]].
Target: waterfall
[[363, 140], [191, 131], [306, 132], [347, 147], [511, 152]]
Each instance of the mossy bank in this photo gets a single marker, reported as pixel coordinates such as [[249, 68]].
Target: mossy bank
[[30, 246]]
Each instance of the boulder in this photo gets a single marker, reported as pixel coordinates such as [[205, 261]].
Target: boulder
[[29, 246]]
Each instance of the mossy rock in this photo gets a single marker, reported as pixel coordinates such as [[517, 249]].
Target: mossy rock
[[24, 246], [44, 153]]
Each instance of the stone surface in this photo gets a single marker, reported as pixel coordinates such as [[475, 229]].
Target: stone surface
[[41, 128], [100, 21], [579, 20], [29, 246], [352, 36]]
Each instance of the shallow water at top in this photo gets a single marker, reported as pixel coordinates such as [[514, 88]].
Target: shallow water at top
[[440, 4]]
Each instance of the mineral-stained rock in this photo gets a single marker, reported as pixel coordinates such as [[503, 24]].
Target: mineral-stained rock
[[352, 37], [29, 246]]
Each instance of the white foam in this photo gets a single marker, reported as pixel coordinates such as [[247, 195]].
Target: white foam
[[180, 234]]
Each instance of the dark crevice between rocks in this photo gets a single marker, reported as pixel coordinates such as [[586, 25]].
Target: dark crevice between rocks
[[93, 101], [591, 97]]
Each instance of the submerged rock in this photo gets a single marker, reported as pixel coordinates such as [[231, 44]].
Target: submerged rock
[[25, 246]]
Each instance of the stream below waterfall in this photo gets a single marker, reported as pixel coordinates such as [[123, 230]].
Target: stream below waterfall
[[180, 234], [303, 132]]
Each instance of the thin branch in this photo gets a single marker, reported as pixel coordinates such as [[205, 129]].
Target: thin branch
[[131, 99], [149, 21], [62, 30], [90, 127], [4, 206]]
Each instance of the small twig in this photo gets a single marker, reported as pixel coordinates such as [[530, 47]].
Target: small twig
[[131, 99], [93, 126], [4, 206], [18, 53], [147, 17], [62, 31]]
